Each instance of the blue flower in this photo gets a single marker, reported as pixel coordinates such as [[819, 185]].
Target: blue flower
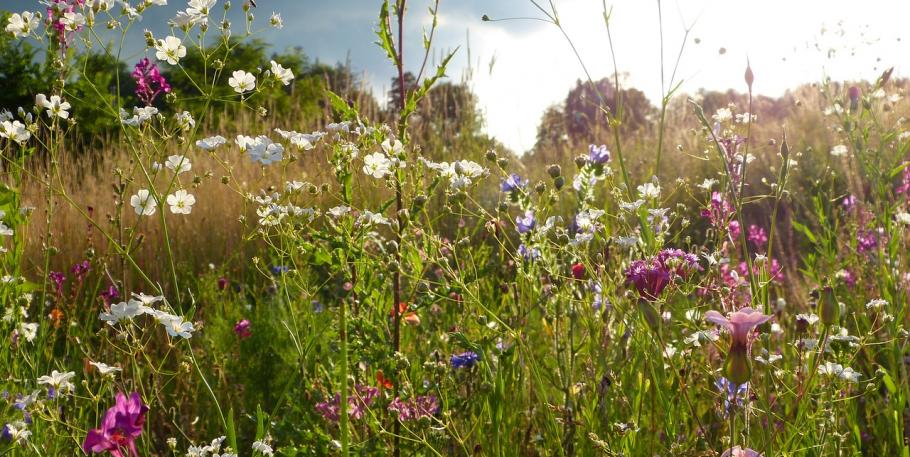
[[464, 360], [279, 269], [529, 254], [598, 155], [525, 224], [512, 182], [734, 395]]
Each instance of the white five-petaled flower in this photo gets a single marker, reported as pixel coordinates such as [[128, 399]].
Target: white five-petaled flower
[[181, 202], [392, 148], [261, 149], [838, 370], [123, 311], [282, 74], [178, 164], [262, 447], [242, 81], [377, 165], [21, 25], [105, 369], [276, 21], [72, 21], [14, 130], [649, 190], [144, 203], [839, 150], [176, 326], [55, 106], [58, 381], [170, 50], [211, 142]]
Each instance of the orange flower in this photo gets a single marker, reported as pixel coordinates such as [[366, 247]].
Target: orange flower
[[56, 316], [383, 382]]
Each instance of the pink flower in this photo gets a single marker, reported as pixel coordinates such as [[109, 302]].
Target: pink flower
[[739, 324], [122, 425], [740, 452], [242, 329]]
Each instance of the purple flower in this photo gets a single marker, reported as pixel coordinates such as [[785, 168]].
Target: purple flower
[[79, 270], [58, 278], [278, 270], [850, 200], [866, 240], [651, 276], [757, 236], [242, 329], [734, 395], [527, 253], [223, 283], [358, 402], [464, 360], [122, 425], [415, 408], [526, 223], [598, 155], [110, 295], [149, 81], [512, 182]]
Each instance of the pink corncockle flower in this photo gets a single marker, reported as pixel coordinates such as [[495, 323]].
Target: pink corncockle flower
[[740, 324], [738, 451], [242, 329], [122, 425], [149, 81]]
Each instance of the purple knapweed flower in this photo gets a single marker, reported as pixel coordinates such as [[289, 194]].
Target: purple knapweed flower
[[415, 408], [121, 426]]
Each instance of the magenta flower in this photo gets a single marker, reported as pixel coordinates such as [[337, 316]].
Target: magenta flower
[[122, 425], [651, 276], [415, 408], [737, 451], [242, 329], [149, 81]]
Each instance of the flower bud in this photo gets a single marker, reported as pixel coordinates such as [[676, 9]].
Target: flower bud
[[829, 308], [738, 367], [554, 171], [491, 155]]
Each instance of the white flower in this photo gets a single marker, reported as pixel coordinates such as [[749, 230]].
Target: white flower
[[72, 21], [339, 211], [275, 21], [185, 120], [200, 8], [723, 115], [17, 432], [262, 447], [105, 369], [144, 203], [836, 369], [370, 218], [242, 81], [181, 202], [176, 326], [178, 164], [903, 218], [170, 49], [877, 304], [55, 106], [58, 381], [15, 131], [839, 150], [392, 148], [282, 74], [377, 165], [123, 311], [707, 184], [261, 149], [304, 141], [211, 142], [28, 330], [21, 25], [147, 300], [649, 190]]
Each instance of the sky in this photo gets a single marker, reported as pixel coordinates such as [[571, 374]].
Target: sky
[[519, 67]]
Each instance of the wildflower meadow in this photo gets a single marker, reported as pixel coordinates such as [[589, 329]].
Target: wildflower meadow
[[209, 248]]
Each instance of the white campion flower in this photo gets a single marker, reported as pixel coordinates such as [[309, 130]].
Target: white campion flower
[[170, 49], [723, 115], [123, 311], [58, 381], [14, 130], [211, 142], [839, 150], [55, 106], [181, 202], [144, 203], [28, 330], [707, 184], [282, 74], [261, 446], [304, 141], [17, 432], [377, 165], [22, 25], [339, 211], [103, 5], [649, 190], [176, 326], [105, 369], [242, 81], [72, 21], [185, 120], [392, 148], [156, 2], [5, 231], [276, 21], [147, 300], [178, 164]]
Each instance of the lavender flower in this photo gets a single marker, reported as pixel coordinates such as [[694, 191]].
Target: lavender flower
[[527, 253], [513, 182], [526, 223], [598, 155], [734, 395], [415, 408]]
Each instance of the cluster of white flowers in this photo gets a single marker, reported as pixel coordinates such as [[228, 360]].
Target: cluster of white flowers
[[839, 150], [303, 141], [212, 449], [140, 115], [460, 173], [381, 164], [14, 131], [23, 25], [196, 13], [141, 304], [261, 149], [838, 370], [271, 212]]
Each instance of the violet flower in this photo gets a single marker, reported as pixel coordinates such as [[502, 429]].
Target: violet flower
[[122, 425]]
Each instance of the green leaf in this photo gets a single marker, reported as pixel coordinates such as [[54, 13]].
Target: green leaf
[[804, 230], [385, 33]]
